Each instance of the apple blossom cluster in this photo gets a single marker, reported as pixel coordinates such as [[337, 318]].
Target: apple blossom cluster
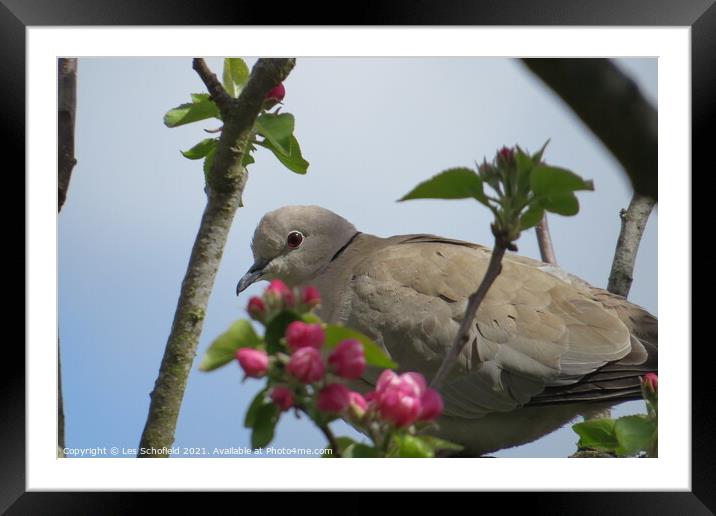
[[308, 373]]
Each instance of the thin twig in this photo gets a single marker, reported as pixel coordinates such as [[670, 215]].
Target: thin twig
[[224, 188], [613, 108], [546, 250], [331, 440], [218, 94], [463, 334], [634, 220]]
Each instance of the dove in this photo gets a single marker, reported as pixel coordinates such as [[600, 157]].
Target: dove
[[545, 347]]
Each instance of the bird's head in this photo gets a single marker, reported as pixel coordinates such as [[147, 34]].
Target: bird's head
[[293, 243]]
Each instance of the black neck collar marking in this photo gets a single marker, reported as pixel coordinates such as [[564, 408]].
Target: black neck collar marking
[[340, 251]]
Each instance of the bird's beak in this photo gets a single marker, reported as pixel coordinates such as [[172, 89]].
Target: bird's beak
[[252, 275]]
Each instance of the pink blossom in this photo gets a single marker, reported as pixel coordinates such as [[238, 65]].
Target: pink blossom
[[507, 154], [302, 335], [398, 407], [277, 292], [650, 381], [348, 359], [399, 397], [257, 308], [409, 383], [282, 397], [254, 362], [277, 93], [358, 401], [310, 296], [306, 365], [432, 405], [334, 397]]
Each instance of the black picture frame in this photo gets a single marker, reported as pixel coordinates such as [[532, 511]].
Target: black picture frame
[[700, 15]]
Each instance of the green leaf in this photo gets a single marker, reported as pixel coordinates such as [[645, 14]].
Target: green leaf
[[360, 451], [235, 75], [264, 425], [374, 355], [410, 446], [439, 444], [532, 216], [597, 434], [634, 433], [294, 161], [223, 350], [277, 129], [537, 156], [201, 149], [239, 71], [546, 180], [227, 81], [200, 97], [276, 329], [209, 162], [258, 401], [562, 204], [524, 169], [248, 158], [311, 318], [454, 183], [201, 108]]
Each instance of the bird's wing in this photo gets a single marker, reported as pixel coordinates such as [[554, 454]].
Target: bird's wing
[[533, 330]]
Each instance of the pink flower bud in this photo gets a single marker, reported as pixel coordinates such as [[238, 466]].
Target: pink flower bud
[[334, 397], [254, 362], [310, 296], [282, 397], [398, 397], [306, 365], [432, 405], [277, 93], [650, 381], [358, 401], [507, 154], [348, 360], [257, 308], [399, 408], [412, 384], [302, 335], [277, 293]]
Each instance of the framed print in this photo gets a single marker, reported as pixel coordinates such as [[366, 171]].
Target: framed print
[[378, 108]]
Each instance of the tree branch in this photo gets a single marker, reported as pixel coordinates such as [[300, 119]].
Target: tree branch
[[66, 109], [463, 334], [634, 220], [544, 240], [218, 94], [613, 108], [331, 440], [224, 189]]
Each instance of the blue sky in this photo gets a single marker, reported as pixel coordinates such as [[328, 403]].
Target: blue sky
[[372, 128]]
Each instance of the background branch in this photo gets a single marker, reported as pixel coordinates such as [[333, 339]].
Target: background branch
[[224, 189], [634, 220], [544, 240], [66, 109], [611, 105]]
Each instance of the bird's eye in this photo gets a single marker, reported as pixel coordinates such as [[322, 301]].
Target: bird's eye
[[294, 239]]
